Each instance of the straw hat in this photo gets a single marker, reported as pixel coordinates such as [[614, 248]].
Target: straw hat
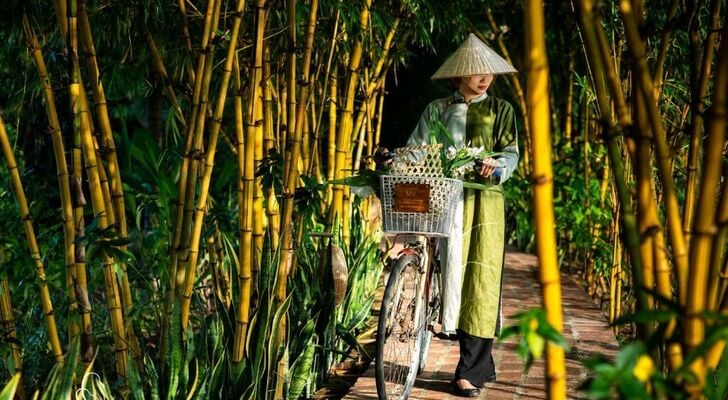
[[473, 57]]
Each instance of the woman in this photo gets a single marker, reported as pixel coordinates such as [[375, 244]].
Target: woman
[[472, 289]]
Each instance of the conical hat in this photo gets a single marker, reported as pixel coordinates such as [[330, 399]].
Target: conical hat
[[473, 57]]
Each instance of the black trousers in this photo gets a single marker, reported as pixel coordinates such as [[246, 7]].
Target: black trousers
[[476, 359]]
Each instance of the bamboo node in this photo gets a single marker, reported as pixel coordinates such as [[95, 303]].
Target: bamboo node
[[541, 179]]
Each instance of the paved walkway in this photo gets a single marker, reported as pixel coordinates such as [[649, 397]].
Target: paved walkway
[[585, 327]]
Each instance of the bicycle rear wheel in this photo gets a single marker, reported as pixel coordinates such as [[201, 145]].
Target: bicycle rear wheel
[[432, 313], [400, 330]]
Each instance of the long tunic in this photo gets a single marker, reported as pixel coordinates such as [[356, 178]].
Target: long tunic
[[473, 257]]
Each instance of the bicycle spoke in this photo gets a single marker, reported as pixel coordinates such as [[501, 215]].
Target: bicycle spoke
[[399, 347]]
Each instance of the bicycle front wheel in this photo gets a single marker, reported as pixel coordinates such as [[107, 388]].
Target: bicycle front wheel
[[400, 330]]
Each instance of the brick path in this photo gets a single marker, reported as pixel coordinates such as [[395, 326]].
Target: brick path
[[585, 328]]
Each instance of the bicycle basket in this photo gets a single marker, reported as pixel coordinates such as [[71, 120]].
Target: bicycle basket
[[417, 204]]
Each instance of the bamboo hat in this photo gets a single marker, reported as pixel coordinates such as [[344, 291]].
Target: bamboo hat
[[473, 57]]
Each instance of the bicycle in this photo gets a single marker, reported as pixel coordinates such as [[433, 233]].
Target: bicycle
[[421, 207]]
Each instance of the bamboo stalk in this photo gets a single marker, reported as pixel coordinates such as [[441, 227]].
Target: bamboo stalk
[[161, 70], [246, 163], [188, 172], [719, 278], [188, 40], [600, 70], [538, 119], [290, 179], [83, 127], [675, 228], [27, 219], [648, 223], [704, 228], [61, 9], [8, 326], [63, 180], [269, 142], [345, 125], [664, 43], [244, 215], [331, 149], [696, 121], [200, 209]]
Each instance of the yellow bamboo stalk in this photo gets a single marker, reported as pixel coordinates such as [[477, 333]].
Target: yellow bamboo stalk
[[246, 164], [537, 102], [704, 228], [290, 179], [188, 171], [161, 70], [602, 73], [200, 109], [269, 142], [83, 126], [245, 213], [201, 207], [187, 39], [648, 222], [258, 209], [331, 153], [370, 85], [642, 75], [380, 116], [99, 208], [61, 168], [614, 273], [719, 272], [290, 163], [25, 216], [345, 125], [103, 178], [664, 44], [8, 325], [61, 11], [108, 146], [696, 118]]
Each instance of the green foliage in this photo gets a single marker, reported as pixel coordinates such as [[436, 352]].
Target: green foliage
[[635, 372], [8, 392], [534, 332]]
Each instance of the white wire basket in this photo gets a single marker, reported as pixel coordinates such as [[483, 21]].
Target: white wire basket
[[418, 204]]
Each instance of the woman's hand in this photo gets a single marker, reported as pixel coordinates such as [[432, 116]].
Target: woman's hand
[[486, 167]]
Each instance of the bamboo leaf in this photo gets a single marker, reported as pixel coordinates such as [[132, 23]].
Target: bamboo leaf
[[8, 392]]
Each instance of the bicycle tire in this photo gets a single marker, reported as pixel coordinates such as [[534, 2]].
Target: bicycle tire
[[399, 330], [432, 314]]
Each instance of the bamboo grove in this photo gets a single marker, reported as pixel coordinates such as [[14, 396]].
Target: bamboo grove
[[275, 85], [186, 241]]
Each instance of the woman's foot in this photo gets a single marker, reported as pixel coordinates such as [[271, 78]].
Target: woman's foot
[[464, 388]]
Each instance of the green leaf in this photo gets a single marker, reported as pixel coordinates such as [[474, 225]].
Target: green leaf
[[536, 344], [133, 380], [8, 392], [301, 370]]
